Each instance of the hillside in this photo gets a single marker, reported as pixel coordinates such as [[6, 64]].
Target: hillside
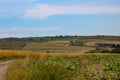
[[58, 44]]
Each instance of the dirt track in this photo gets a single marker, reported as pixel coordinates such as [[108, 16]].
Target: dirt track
[[3, 68]]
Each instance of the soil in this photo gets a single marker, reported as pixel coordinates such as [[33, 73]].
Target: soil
[[3, 69]]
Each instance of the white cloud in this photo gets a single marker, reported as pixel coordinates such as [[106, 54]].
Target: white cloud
[[43, 11], [16, 29], [5, 35]]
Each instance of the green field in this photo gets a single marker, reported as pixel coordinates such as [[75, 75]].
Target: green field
[[82, 67]]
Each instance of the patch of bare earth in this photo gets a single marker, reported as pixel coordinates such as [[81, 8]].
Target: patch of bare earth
[[3, 69]]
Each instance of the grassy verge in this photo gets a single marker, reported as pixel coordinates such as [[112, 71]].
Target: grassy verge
[[66, 67], [11, 55]]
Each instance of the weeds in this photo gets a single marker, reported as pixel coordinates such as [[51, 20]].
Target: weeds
[[67, 68]]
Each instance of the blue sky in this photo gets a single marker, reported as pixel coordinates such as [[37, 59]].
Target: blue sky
[[24, 18]]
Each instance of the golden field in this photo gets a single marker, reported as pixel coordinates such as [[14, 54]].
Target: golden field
[[12, 54]]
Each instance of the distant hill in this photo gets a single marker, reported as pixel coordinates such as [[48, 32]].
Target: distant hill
[[53, 38]]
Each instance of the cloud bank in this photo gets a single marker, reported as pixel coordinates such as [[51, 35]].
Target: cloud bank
[[5, 35], [27, 29], [6, 32], [43, 11]]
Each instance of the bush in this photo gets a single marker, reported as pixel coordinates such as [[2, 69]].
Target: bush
[[116, 50], [76, 43]]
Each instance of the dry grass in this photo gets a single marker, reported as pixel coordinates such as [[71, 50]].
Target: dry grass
[[12, 54], [28, 53]]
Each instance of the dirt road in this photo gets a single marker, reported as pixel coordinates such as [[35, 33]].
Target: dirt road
[[3, 68]]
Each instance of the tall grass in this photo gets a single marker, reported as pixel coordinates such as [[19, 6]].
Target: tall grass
[[12, 54], [67, 68]]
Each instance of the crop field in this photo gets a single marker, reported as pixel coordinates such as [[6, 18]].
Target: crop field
[[6, 55], [56, 47], [57, 66], [57, 60], [63, 46], [94, 41]]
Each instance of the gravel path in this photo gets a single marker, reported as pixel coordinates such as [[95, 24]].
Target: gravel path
[[3, 68]]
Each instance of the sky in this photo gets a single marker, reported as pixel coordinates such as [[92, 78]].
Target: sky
[[31, 18]]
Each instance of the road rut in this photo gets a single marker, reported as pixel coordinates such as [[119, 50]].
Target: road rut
[[3, 69]]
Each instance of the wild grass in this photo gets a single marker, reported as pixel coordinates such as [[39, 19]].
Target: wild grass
[[48, 66], [67, 68], [12, 54]]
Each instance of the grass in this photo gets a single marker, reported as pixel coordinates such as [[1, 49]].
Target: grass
[[9, 55], [12, 54], [67, 68], [57, 66]]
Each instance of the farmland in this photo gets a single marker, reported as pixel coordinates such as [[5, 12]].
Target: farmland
[[57, 66], [34, 66], [59, 60], [57, 44], [55, 47]]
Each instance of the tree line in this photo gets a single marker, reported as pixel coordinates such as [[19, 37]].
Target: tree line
[[61, 37]]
